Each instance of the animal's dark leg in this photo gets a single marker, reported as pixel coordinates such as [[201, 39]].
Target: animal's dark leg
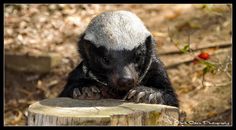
[[68, 90], [79, 86], [72, 82]]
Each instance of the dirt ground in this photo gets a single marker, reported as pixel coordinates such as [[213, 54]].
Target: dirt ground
[[35, 28]]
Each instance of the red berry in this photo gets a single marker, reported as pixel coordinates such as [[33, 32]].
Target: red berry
[[204, 55]]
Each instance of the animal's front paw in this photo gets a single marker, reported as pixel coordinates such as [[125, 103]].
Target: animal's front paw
[[91, 92], [143, 94]]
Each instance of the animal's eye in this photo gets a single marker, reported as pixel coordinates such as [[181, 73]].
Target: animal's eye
[[137, 57], [106, 61]]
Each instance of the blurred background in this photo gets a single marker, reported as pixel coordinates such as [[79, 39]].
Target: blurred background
[[193, 41]]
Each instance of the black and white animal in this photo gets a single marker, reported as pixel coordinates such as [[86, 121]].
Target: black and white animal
[[120, 62]]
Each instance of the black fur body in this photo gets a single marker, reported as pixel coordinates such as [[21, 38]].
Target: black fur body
[[133, 73]]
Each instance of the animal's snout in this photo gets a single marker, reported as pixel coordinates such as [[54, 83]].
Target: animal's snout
[[126, 82], [124, 77]]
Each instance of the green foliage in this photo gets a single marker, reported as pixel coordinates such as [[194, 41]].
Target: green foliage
[[185, 49], [209, 67]]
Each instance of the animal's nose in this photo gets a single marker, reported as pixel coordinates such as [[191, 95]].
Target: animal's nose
[[126, 82]]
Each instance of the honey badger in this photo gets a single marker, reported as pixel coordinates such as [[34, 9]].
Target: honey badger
[[120, 62]]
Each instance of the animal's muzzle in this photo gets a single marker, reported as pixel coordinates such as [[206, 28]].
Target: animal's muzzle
[[126, 82], [124, 77]]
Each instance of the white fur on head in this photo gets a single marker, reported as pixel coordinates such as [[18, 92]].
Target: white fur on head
[[117, 30]]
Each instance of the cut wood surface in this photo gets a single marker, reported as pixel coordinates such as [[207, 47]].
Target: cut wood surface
[[67, 111]]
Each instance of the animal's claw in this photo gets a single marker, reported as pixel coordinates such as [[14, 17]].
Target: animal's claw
[[91, 92], [144, 94]]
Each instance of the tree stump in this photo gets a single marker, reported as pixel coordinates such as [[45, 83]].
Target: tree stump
[[67, 111]]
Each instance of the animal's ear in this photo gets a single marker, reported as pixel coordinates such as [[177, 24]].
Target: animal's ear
[[150, 45], [84, 47], [150, 50]]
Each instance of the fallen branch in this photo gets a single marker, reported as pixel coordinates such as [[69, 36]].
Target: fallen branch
[[185, 58], [194, 47]]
